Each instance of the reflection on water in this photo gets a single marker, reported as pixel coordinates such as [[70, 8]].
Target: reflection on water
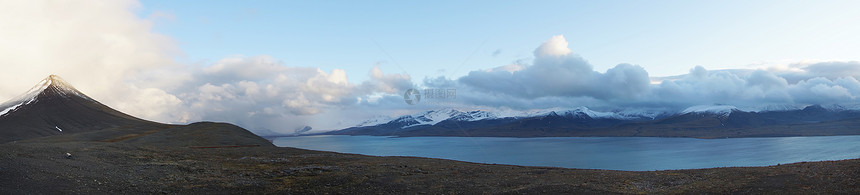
[[616, 153]]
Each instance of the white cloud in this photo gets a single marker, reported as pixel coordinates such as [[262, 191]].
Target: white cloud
[[511, 68], [557, 77], [152, 103], [101, 47], [555, 46], [557, 72], [261, 93], [236, 68], [392, 83]]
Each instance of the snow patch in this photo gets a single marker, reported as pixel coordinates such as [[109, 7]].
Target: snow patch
[[474, 116], [58, 128], [375, 121], [433, 116], [430, 117], [724, 110], [770, 107], [7, 110], [650, 114], [841, 107], [63, 88], [590, 113]]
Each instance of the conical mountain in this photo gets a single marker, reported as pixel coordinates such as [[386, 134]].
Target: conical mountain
[[54, 107]]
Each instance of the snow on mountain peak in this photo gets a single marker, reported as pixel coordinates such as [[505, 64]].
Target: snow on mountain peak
[[432, 117], [61, 86], [9, 108], [770, 107], [375, 121], [841, 107], [713, 109], [474, 116], [580, 111]]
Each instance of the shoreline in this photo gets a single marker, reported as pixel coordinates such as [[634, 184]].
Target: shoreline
[[654, 153]]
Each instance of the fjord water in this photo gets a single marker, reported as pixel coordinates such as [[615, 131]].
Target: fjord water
[[613, 153]]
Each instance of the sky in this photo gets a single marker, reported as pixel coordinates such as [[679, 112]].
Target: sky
[[277, 66]]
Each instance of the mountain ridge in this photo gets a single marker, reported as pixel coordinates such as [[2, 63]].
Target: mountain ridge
[[704, 121]]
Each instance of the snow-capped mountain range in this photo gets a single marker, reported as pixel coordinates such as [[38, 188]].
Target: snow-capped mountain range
[[723, 110], [582, 121], [430, 117]]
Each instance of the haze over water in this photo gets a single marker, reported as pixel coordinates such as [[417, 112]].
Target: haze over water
[[614, 153]]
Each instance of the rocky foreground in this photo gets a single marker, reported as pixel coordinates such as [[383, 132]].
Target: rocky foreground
[[40, 166]]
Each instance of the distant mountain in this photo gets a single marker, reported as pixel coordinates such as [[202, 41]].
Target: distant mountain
[[384, 125], [706, 121], [54, 110], [433, 117], [374, 121], [452, 122]]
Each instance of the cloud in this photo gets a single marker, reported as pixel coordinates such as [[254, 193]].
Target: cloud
[[392, 83], [236, 68], [259, 92], [825, 91], [701, 86], [759, 87], [767, 81], [834, 70], [555, 46], [102, 47], [806, 70], [559, 78], [112, 54], [557, 72], [625, 81]]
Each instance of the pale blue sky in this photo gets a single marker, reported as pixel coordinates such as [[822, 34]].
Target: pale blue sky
[[422, 38]]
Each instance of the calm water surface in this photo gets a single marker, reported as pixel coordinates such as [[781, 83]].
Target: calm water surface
[[616, 153]]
